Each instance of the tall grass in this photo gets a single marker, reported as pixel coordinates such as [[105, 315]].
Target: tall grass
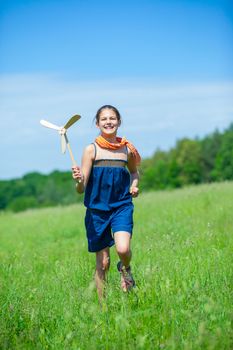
[[182, 262]]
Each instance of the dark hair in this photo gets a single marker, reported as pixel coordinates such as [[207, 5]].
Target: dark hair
[[97, 116]]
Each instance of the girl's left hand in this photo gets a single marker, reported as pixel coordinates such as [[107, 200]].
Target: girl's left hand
[[134, 191]]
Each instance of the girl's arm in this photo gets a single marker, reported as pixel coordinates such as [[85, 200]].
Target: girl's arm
[[82, 174], [134, 190]]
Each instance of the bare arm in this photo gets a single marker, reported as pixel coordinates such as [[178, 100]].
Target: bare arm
[[134, 190], [82, 174]]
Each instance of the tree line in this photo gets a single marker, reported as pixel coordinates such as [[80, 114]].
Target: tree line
[[190, 161], [35, 190]]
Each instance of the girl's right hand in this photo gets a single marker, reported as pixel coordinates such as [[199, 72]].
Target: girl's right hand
[[77, 174]]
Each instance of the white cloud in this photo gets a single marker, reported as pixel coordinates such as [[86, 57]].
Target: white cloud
[[154, 115]]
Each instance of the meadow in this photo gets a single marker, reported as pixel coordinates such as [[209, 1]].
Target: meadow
[[182, 262]]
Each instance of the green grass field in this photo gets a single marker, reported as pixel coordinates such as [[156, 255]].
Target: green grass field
[[182, 263]]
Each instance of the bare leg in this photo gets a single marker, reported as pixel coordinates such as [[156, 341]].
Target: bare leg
[[102, 266], [122, 242]]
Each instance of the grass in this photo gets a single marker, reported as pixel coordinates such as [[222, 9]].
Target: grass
[[182, 262]]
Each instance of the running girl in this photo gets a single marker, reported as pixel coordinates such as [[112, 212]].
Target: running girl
[[109, 188]]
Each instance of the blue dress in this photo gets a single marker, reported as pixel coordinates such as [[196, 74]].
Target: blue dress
[[108, 185], [108, 199]]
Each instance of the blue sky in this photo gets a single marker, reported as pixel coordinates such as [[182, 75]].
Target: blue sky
[[167, 66]]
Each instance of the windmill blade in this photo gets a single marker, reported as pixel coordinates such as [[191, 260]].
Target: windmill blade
[[63, 143], [71, 121], [49, 125]]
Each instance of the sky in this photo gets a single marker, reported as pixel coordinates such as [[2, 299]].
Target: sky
[[166, 65]]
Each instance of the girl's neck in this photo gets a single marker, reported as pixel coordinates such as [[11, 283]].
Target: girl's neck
[[110, 138]]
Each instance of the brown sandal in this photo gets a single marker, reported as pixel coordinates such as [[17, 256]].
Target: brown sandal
[[127, 281]]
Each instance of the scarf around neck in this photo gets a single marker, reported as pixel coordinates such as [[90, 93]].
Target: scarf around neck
[[121, 142]]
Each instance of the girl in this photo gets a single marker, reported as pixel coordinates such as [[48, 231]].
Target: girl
[[109, 188]]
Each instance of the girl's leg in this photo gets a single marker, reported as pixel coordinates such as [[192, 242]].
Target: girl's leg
[[102, 266], [122, 242]]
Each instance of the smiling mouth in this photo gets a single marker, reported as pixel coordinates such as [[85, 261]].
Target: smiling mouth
[[109, 127]]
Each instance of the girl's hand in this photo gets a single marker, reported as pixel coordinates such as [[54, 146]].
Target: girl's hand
[[134, 191], [77, 174]]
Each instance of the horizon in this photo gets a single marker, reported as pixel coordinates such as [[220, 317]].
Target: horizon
[[143, 158]]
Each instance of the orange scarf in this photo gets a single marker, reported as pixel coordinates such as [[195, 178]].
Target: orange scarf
[[100, 140]]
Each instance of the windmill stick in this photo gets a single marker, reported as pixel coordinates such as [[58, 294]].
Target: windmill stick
[[70, 151], [71, 154]]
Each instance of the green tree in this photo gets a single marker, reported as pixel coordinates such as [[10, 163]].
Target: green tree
[[223, 169], [187, 155], [22, 203], [210, 146], [155, 171]]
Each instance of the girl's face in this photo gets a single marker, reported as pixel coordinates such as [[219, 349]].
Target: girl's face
[[108, 122]]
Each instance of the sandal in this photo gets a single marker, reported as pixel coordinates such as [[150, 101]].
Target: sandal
[[127, 281]]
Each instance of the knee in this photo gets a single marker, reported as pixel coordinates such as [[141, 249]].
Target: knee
[[103, 265], [123, 249]]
